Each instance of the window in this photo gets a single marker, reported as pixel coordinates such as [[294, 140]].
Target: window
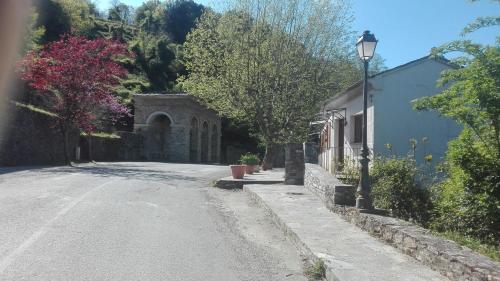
[[358, 128]]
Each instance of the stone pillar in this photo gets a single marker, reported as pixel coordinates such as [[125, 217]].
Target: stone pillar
[[294, 164]]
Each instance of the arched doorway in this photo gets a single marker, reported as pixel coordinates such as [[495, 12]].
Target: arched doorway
[[193, 140], [159, 133], [204, 143], [214, 144]]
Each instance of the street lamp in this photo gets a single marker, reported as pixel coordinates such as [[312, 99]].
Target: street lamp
[[366, 49]]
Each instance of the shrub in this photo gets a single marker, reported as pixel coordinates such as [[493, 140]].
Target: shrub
[[395, 188], [250, 159], [350, 173], [468, 201]]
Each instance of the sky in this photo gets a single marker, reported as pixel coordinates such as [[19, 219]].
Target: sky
[[407, 29]]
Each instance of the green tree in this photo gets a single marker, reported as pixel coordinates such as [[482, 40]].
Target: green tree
[[468, 202], [179, 18], [53, 19], [34, 32], [269, 62], [80, 15], [120, 12], [147, 16], [156, 57]]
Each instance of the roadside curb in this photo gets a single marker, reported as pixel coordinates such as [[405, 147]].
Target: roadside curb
[[347, 253], [289, 233]]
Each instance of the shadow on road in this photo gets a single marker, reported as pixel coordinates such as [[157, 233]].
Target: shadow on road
[[133, 171]]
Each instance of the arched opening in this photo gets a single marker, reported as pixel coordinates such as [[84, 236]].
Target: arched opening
[[193, 140], [214, 144], [204, 143], [158, 137]]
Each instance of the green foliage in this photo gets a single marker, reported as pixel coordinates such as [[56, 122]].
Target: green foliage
[[121, 12], [271, 65], [468, 201], [174, 19], [148, 16], [250, 159], [156, 65], [395, 188], [34, 32], [33, 108], [179, 18], [474, 244], [317, 271], [102, 135], [53, 18], [79, 14], [156, 57], [350, 173]]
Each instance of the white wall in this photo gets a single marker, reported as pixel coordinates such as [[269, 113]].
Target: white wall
[[395, 120], [353, 103]]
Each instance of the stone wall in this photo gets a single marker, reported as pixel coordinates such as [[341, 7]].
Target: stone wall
[[327, 187], [128, 147], [294, 164], [193, 133], [29, 139], [450, 259]]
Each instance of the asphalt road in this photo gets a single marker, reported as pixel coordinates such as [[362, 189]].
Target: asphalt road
[[135, 221]]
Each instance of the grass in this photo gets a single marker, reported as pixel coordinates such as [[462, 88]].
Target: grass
[[34, 109], [103, 135], [490, 251], [317, 271]]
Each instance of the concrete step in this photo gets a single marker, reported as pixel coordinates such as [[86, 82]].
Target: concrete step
[[348, 253], [275, 176]]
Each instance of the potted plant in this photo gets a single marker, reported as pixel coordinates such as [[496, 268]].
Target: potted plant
[[251, 161], [238, 171]]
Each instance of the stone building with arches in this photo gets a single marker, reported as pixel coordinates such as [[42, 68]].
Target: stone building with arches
[[176, 128]]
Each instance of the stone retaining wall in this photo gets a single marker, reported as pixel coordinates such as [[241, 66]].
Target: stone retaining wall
[[327, 187], [449, 258], [29, 139], [128, 147]]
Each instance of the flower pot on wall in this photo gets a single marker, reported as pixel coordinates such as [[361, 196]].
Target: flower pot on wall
[[249, 169], [256, 168], [238, 171]]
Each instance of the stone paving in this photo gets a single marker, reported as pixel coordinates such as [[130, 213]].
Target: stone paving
[[349, 253]]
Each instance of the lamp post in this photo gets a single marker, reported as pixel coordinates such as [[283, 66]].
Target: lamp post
[[366, 49]]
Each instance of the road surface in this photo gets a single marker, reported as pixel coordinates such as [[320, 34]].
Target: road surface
[[135, 221]]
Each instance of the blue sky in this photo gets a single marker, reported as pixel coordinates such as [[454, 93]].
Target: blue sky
[[408, 29]]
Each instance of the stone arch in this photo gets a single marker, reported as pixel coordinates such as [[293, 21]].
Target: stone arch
[[159, 132], [155, 114], [193, 140], [214, 143], [204, 142]]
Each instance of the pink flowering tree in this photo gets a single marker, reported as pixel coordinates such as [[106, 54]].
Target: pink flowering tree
[[75, 78]]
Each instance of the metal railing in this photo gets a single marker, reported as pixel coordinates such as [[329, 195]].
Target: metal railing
[[334, 158]]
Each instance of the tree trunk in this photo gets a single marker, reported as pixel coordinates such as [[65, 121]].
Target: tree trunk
[[64, 133], [270, 157]]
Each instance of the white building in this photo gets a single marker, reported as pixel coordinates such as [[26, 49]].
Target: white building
[[391, 117]]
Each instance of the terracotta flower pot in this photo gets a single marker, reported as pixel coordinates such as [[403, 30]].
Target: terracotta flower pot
[[249, 169], [238, 171], [256, 168]]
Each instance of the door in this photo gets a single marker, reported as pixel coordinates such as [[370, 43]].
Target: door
[[340, 146]]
